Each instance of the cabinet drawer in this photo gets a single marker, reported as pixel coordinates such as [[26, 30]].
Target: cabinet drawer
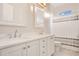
[[33, 48], [43, 53], [43, 50], [43, 47], [43, 41]]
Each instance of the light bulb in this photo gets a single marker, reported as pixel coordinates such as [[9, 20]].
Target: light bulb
[[31, 7], [46, 15]]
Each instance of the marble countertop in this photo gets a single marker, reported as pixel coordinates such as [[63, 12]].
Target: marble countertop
[[27, 38]]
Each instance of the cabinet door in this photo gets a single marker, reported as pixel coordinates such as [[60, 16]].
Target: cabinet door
[[33, 48], [18, 50], [8, 11], [13, 14], [6, 14], [18, 12], [22, 14], [50, 46]]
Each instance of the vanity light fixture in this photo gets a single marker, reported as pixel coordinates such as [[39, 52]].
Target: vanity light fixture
[[31, 7], [41, 5]]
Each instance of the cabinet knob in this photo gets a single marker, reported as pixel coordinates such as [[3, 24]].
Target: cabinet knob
[[43, 52], [43, 46], [24, 47], [43, 40], [28, 46]]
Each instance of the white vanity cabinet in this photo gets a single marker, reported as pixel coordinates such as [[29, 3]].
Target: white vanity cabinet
[[39, 47], [33, 48], [18, 50]]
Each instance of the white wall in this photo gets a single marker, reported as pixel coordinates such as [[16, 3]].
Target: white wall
[[69, 29]]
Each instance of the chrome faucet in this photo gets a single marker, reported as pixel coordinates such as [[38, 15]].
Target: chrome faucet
[[17, 34]]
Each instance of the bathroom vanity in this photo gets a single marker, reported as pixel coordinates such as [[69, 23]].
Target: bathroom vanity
[[41, 45]]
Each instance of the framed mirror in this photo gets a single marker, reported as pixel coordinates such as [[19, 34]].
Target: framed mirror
[[39, 17]]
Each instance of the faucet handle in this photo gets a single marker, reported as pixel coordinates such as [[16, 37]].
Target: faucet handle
[[10, 36], [15, 33]]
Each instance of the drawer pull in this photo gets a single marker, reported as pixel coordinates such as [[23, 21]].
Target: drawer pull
[[43, 40], [43, 46], [43, 52], [28, 46], [24, 47]]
